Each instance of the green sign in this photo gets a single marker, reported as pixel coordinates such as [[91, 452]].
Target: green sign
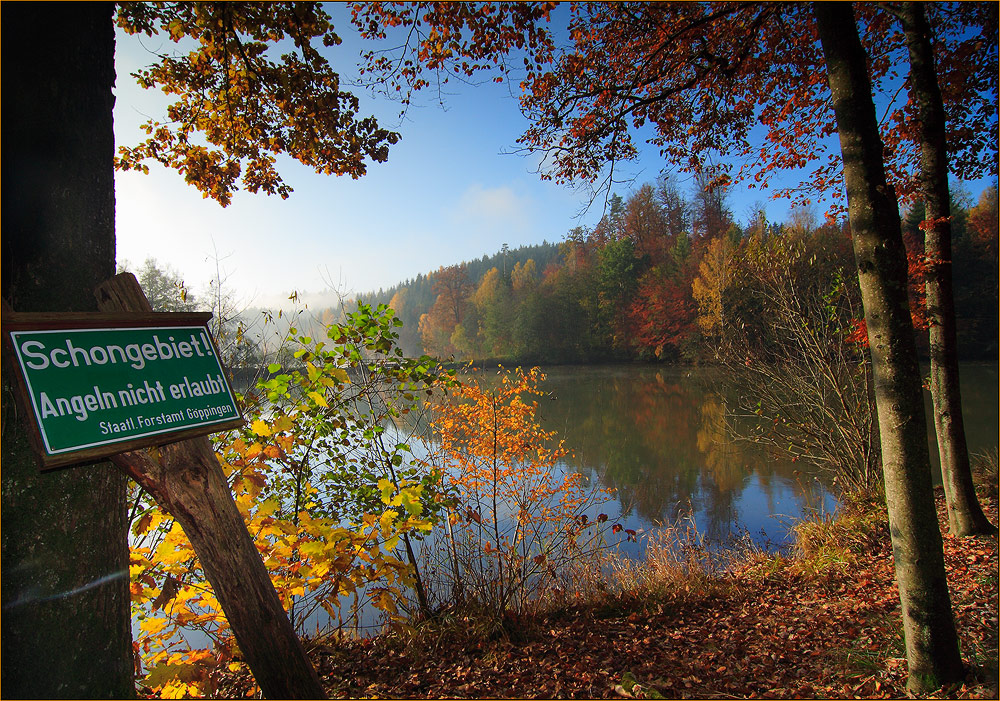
[[92, 389]]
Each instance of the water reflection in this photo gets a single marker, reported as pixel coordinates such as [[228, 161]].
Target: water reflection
[[980, 410], [658, 436]]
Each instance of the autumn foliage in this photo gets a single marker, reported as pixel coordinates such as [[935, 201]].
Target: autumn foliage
[[523, 519], [331, 504], [247, 106]]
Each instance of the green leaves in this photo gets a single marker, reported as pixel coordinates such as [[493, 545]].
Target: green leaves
[[327, 484], [334, 418]]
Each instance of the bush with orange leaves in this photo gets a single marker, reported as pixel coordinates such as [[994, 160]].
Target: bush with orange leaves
[[526, 528]]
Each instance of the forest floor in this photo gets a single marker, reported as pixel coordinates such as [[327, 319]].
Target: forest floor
[[778, 627]]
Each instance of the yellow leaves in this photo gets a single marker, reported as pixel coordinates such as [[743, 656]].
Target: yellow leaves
[[410, 500], [175, 548], [387, 488], [237, 447], [186, 674], [313, 549], [318, 398], [176, 29], [330, 610], [386, 521], [313, 372], [244, 502], [152, 625], [312, 558], [334, 382], [385, 599], [178, 690], [267, 508], [716, 275], [408, 496]]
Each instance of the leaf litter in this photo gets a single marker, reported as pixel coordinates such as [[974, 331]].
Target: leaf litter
[[774, 632]]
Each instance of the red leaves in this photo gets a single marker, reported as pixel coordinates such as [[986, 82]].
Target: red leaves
[[662, 313], [918, 266], [858, 334]]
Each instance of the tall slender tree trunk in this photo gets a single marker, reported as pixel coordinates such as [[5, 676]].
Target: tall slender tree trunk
[[66, 613], [928, 625], [965, 516]]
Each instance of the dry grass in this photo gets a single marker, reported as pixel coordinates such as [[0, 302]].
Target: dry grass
[[986, 473], [835, 541], [678, 567], [688, 623]]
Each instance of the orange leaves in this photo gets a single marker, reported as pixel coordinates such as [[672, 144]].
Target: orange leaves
[[522, 517], [248, 108], [858, 334]]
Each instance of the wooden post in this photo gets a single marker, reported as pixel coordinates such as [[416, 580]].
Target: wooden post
[[186, 480]]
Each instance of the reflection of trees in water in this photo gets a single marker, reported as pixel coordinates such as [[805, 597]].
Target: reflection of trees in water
[[660, 439], [617, 426], [725, 469], [980, 408]]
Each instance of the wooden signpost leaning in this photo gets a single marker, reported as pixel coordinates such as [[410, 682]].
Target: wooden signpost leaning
[[186, 480]]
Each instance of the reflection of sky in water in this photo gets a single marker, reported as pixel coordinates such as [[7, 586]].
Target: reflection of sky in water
[[758, 513]]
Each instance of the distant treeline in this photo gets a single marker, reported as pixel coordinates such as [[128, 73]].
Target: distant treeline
[[664, 277]]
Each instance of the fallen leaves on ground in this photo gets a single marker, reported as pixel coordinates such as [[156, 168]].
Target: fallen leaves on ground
[[776, 634]]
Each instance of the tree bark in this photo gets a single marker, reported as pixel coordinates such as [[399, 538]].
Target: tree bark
[[66, 611], [928, 625], [965, 515], [186, 480]]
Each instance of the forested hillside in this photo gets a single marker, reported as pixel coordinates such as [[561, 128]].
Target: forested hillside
[[669, 277]]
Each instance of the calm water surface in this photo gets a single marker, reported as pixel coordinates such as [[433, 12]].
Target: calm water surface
[[657, 436]]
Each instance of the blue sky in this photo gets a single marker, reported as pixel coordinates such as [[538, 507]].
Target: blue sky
[[447, 193]]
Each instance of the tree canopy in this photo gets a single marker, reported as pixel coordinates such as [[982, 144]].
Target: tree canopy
[[237, 107], [735, 89]]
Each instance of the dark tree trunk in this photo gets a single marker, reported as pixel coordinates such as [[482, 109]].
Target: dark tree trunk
[[66, 614], [965, 516], [928, 625]]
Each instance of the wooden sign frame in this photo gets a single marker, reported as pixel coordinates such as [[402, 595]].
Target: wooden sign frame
[[14, 322]]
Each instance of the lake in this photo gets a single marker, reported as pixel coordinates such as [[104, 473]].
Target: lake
[[657, 436]]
